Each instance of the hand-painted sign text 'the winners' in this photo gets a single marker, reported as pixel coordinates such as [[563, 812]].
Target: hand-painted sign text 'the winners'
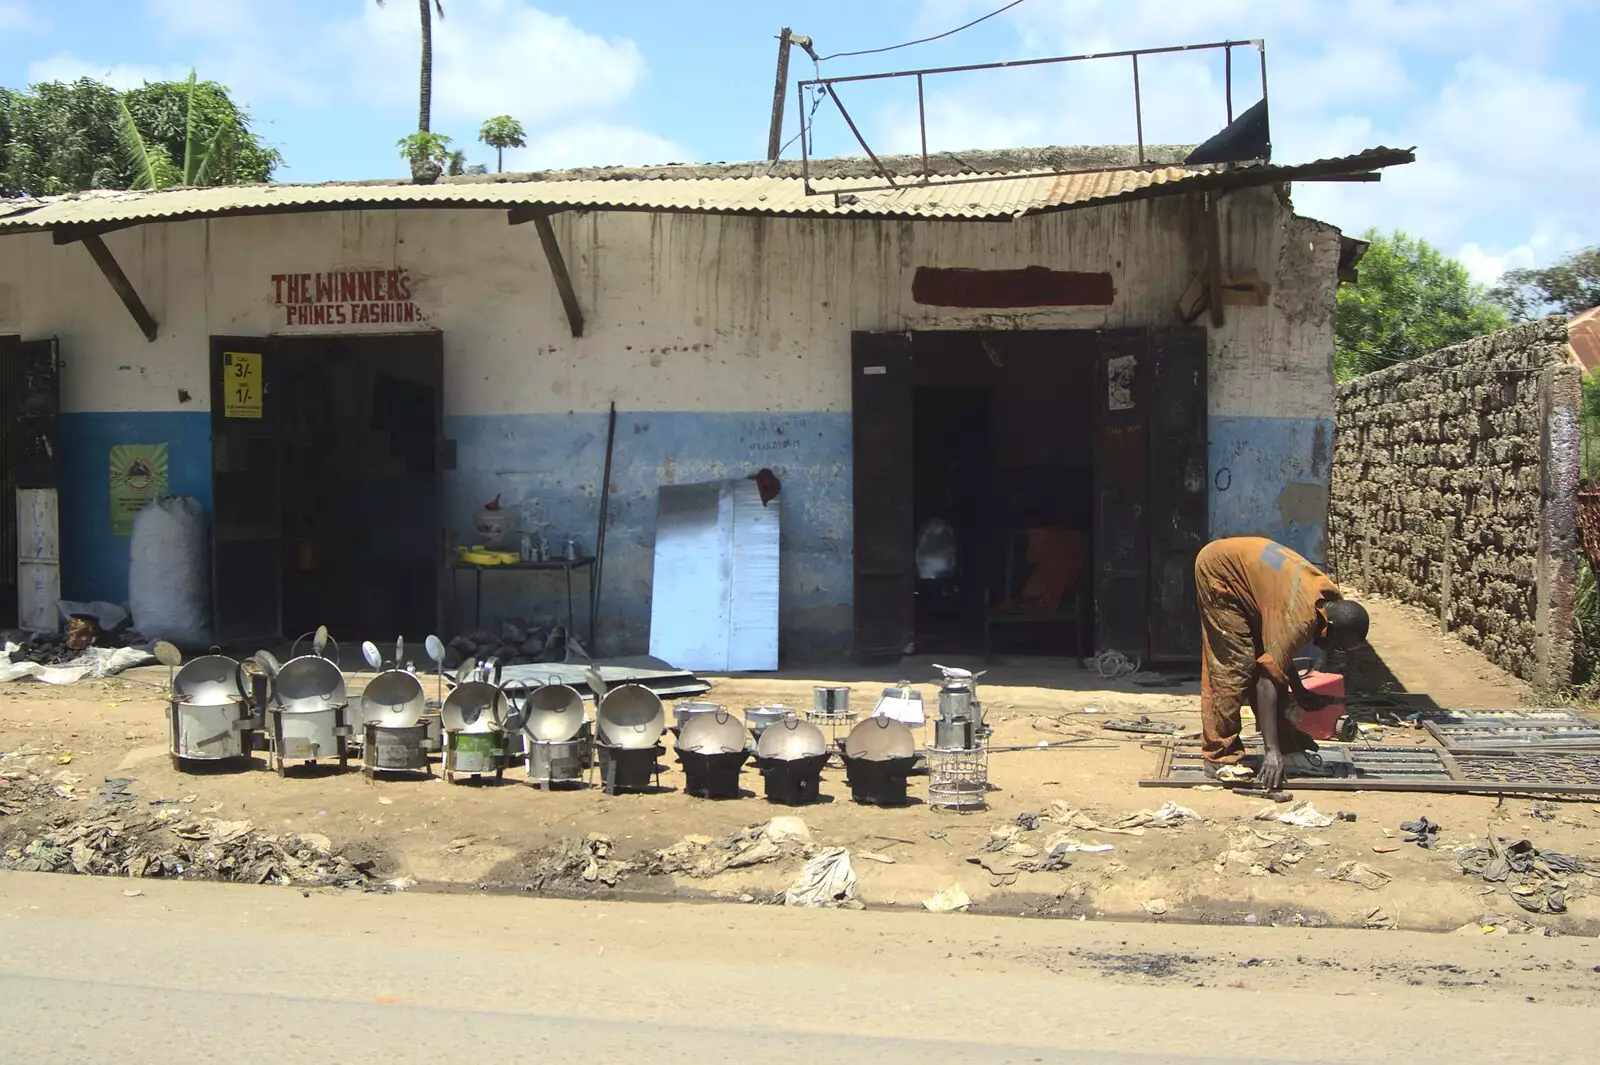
[[346, 297]]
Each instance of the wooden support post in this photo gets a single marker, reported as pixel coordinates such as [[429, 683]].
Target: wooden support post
[[558, 270], [120, 284], [775, 130], [1213, 223]]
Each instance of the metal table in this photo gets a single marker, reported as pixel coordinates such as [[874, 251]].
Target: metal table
[[567, 565]]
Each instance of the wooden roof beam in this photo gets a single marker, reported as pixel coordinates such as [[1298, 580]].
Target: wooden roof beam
[[540, 217], [118, 280]]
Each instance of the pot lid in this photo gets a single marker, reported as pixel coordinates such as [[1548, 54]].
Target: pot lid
[[474, 707], [718, 733], [791, 739], [212, 680], [630, 715], [553, 713], [308, 683], [393, 699], [879, 739]]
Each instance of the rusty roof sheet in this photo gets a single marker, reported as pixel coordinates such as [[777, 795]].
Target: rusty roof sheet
[[1583, 336], [996, 197]]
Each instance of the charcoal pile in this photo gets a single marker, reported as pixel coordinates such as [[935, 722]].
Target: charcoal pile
[[118, 837], [514, 642]]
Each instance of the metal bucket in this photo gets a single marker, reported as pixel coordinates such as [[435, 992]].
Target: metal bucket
[[307, 735], [627, 768], [472, 753], [830, 699], [759, 718], [954, 734], [559, 761], [435, 726], [682, 713], [210, 733], [391, 750], [957, 702]]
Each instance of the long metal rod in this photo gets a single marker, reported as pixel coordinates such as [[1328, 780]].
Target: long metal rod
[[600, 535], [922, 123], [805, 147], [1138, 110], [1212, 46], [859, 138], [1262, 45], [1227, 67]]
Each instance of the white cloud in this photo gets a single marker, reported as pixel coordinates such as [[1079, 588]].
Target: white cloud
[[15, 17], [496, 57], [1506, 145], [64, 66], [595, 144]]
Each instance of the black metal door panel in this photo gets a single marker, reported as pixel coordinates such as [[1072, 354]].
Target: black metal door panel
[[1179, 518], [1121, 470], [881, 406], [246, 472]]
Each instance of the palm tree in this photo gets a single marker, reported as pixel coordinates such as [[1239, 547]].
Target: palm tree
[[425, 109], [500, 133]]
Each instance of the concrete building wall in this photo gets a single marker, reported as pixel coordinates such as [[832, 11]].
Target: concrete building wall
[[1455, 488], [724, 342]]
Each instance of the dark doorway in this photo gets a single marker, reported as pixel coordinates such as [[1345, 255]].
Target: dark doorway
[[1021, 491], [342, 525]]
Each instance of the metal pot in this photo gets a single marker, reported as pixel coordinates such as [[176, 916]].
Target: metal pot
[[761, 718], [394, 699], [560, 761], [308, 684], [830, 699], [790, 740], [718, 733], [954, 734], [554, 713], [880, 739], [472, 753], [682, 713], [630, 716], [475, 707], [308, 735], [208, 716]]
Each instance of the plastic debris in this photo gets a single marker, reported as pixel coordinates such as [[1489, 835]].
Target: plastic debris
[[951, 899], [1423, 833], [1302, 814], [1168, 815], [1155, 907], [1363, 874], [827, 880]]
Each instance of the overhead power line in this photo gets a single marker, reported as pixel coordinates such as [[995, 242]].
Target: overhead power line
[[925, 40]]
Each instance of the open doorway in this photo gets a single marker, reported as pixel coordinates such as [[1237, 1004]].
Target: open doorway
[[338, 496], [1003, 491]]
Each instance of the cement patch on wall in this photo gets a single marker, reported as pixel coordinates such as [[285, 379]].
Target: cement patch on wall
[[1269, 477]]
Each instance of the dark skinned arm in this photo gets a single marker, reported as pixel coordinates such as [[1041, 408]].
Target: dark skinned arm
[[1270, 778], [1306, 699]]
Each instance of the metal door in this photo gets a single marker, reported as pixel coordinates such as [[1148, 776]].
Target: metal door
[[881, 407], [30, 542], [10, 363], [1121, 473], [1179, 519], [246, 474]]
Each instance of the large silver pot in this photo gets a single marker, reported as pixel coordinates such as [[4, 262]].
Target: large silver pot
[[308, 684], [391, 750], [630, 716], [560, 761], [475, 707], [760, 718], [308, 735], [393, 699], [553, 713]]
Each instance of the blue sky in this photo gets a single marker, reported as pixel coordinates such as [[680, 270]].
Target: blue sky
[[1496, 94]]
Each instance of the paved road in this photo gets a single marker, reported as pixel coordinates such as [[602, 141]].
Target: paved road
[[214, 973]]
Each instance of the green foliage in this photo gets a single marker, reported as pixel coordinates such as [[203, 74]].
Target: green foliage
[[500, 133], [1570, 286], [57, 138], [422, 149], [1411, 299]]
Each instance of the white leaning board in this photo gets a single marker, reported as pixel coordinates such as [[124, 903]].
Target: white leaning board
[[714, 598]]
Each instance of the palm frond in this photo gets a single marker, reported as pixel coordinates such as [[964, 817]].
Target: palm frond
[[191, 137], [202, 172], [135, 153]]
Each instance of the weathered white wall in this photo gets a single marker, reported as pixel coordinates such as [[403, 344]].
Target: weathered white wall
[[724, 341]]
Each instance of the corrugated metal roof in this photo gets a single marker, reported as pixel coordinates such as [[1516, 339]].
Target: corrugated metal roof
[[998, 196], [1583, 335]]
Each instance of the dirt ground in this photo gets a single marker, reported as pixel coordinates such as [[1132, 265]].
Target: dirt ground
[[1226, 868]]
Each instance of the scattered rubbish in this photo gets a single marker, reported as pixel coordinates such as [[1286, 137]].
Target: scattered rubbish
[[1423, 833], [1062, 814], [1061, 843], [874, 856], [1346, 815], [1302, 815], [1360, 873], [1023, 850], [827, 880], [403, 883], [950, 899], [1029, 822], [702, 856], [384, 800], [1155, 907], [132, 893], [784, 829], [1140, 724], [1533, 877], [1168, 815], [1379, 849], [1376, 918]]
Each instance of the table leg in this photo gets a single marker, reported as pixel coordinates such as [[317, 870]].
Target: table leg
[[591, 607], [477, 597], [569, 602]]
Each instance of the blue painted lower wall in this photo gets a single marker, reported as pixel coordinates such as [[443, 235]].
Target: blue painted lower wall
[[557, 461], [1269, 478], [94, 563]]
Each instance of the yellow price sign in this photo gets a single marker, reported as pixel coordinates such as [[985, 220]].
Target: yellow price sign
[[241, 384]]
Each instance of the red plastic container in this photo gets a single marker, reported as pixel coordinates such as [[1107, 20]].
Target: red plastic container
[[1320, 724]]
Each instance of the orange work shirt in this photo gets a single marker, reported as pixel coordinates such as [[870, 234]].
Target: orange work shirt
[[1280, 593]]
